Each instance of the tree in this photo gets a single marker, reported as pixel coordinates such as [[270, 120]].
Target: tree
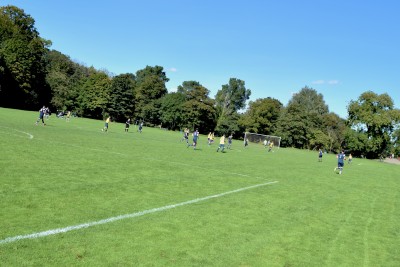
[[95, 95], [396, 141], [374, 116], [60, 70], [229, 100], [22, 60], [261, 116], [172, 111], [121, 103], [335, 128], [150, 86], [198, 108], [292, 127], [301, 119]]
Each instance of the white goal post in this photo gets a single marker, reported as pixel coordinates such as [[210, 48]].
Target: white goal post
[[259, 138]]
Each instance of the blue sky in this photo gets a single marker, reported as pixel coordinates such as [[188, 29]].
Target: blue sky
[[340, 48]]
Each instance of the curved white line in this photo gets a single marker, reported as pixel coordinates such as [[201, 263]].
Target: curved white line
[[28, 134]]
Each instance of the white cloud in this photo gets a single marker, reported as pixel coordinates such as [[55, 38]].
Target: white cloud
[[333, 82], [173, 69], [318, 82]]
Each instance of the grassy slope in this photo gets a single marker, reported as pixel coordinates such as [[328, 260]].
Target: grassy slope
[[72, 173]]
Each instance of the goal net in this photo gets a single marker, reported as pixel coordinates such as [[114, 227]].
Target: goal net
[[260, 138]]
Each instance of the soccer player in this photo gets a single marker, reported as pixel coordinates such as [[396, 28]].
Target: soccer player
[[221, 143], [105, 129], [41, 116], [350, 158], [271, 145], [195, 138], [127, 124], [230, 141], [341, 158], [186, 135], [320, 155], [140, 127], [209, 138], [246, 142], [68, 116]]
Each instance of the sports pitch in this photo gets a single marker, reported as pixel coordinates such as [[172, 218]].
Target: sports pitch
[[72, 195]]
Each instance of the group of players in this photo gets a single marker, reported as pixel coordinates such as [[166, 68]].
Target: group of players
[[341, 157], [44, 111], [210, 139]]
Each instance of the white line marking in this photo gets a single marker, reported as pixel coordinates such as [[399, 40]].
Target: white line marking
[[122, 217], [28, 134]]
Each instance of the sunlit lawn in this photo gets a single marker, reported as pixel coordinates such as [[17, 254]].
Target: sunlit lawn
[[68, 173]]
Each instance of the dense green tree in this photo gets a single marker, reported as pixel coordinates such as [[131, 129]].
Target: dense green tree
[[318, 139], [172, 111], [396, 142], [150, 86], [95, 95], [198, 108], [292, 127], [229, 100], [60, 70], [121, 103], [335, 128], [261, 116], [301, 119], [22, 59], [375, 116]]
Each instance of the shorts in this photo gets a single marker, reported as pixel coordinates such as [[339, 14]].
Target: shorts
[[340, 164], [106, 125]]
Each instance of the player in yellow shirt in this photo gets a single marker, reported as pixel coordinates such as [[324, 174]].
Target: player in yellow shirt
[[221, 143], [105, 129]]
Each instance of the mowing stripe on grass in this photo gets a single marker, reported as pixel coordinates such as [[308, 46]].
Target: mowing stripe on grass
[[122, 217]]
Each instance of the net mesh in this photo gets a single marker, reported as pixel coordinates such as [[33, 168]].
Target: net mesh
[[260, 138]]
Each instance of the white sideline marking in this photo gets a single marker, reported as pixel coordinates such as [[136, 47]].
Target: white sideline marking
[[28, 134], [122, 217]]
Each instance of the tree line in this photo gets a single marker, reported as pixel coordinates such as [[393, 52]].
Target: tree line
[[32, 74]]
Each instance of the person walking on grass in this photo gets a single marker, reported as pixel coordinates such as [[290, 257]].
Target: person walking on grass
[[221, 143]]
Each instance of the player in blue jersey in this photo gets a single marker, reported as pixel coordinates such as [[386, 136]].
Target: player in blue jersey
[[341, 158], [41, 116], [195, 138], [230, 141], [320, 155]]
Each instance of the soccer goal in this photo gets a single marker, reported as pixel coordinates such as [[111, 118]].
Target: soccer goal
[[259, 138]]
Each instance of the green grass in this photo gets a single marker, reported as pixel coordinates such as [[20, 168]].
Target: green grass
[[72, 173]]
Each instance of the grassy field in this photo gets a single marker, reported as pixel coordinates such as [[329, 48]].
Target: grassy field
[[184, 207]]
